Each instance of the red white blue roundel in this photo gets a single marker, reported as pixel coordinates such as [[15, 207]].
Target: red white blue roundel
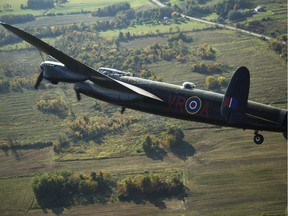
[[193, 105]]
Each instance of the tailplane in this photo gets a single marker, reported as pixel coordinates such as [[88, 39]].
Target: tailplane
[[235, 99]]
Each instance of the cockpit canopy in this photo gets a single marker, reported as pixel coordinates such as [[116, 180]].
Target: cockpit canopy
[[188, 85], [52, 64], [113, 72]]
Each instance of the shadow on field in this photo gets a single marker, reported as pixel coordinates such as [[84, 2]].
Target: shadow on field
[[157, 201], [14, 148], [157, 154], [183, 150], [141, 200]]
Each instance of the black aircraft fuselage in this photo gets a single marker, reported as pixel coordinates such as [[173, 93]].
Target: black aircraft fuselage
[[232, 109], [186, 102]]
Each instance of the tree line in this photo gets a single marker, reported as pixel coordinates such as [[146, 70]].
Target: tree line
[[150, 186], [65, 188], [171, 138], [124, 16], [92, 128], [111, 10], [54, 105], [12, 19]]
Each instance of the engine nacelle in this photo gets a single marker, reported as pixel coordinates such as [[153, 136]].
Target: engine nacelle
[[109, 95], [57, 72]]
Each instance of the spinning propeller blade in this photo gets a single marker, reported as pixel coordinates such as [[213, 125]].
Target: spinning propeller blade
[[39, 79], [78, 95]]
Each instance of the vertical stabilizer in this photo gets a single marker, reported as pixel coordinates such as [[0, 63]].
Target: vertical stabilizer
[[235, 99]]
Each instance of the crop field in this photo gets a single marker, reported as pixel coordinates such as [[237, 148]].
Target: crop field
[[160, 28], [71, 7], [224, 172]]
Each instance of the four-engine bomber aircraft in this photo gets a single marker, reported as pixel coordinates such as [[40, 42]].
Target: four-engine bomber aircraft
[[183, 102]]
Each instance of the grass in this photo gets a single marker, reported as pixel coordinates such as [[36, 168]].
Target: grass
[[71, 7], [16, 195], [160, 28]]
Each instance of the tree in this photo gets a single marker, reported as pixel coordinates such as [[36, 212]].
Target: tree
[[214, 82], [148, 144], [205, 51], [211, 82]]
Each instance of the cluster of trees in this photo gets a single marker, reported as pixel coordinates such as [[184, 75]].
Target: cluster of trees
[[92, 128], [224, 7], [12, 19], [17, 83], [111, 10], [50, 104], [205, 51], [169, 139], [64, 188], [251, 25], [279, 47], [215, 82], [180, 36], [212, 68], [191, 9], [150, 186], [39, 4], [236, 15], [124, 16]]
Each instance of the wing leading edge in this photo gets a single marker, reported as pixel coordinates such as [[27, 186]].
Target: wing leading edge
[[75, 65]]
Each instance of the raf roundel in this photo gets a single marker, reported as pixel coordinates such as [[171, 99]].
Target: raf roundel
[[193, 105]]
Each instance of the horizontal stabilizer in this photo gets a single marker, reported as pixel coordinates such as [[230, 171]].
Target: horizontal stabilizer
[[235, 99]]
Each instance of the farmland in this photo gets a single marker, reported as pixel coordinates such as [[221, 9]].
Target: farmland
[[223, 171]]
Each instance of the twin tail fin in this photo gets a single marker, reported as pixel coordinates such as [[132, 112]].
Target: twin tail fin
[[234, 102]]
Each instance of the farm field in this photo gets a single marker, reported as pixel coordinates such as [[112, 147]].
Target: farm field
[[71, 6], [224, 172]]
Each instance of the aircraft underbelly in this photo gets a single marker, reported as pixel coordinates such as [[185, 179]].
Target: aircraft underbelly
[[106, 94]]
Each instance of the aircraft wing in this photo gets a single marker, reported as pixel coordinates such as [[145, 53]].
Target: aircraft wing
[[77, 66], [69, 62]]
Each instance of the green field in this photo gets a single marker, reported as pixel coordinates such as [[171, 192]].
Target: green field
[[71, 7], [224, 171]]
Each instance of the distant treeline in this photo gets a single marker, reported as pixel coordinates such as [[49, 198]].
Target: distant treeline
[[40, 4], [111, 10], [12, 19], [124, 16], [222, 9]]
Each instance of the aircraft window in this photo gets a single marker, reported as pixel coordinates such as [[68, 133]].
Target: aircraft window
[[113, 72], [188, 85]]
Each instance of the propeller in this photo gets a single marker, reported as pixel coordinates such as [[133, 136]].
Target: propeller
[[39, 79], [77, 91], [78, 96], [123, 109]]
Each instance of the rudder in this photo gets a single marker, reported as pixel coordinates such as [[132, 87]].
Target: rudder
[[235, 99]]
